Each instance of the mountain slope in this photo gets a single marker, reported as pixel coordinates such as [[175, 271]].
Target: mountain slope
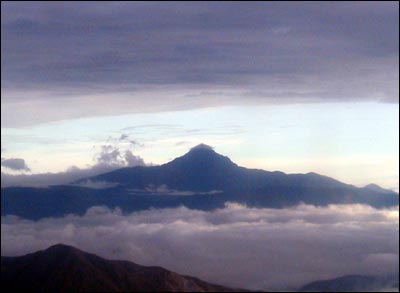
[[62, 268], [354, 283], [202, 170], [201, 179]]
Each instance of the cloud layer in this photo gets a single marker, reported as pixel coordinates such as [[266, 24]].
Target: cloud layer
[[111, 156], [156, 57], [45, 179], [236, 246]]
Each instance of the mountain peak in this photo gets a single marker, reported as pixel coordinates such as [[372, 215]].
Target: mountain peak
[[204, 157], [376, 187], [61, 248], [202, 146], [83, 271]]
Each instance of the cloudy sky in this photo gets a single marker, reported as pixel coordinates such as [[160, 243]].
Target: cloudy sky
[[296, 87]]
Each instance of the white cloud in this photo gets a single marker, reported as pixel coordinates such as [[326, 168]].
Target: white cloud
[[164, 190], [236, 246], [97, 184], [113, 155]]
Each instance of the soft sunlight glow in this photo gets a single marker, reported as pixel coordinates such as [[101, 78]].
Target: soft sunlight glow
[[338, 140]]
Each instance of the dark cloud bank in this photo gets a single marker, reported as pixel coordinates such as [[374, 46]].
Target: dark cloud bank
[[15, 164], [146, 56], [269, 249]]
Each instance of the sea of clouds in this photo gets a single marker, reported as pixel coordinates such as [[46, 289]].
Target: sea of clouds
[[238, 246]]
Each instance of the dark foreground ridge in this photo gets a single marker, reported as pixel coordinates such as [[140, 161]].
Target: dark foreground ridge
[[201, 179], [62, 268]]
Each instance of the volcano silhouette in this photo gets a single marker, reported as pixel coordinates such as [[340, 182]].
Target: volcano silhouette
[[200, 179]]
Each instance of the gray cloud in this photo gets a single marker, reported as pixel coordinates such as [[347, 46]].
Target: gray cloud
[[109, 158], [266, 249], [132, 160], [45, 179], [113, 156], [160, 57], [15, 164], [109, 155], [123, 136]]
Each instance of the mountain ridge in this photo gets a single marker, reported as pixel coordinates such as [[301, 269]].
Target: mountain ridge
[[201, 179], [213, 171], [63, 268], [354, 283]]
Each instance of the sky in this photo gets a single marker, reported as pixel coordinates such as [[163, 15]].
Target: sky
[[298, 87]]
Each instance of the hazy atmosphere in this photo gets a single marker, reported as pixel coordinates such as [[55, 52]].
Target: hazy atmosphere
[[261, 82], [88, 88], [236, 246]]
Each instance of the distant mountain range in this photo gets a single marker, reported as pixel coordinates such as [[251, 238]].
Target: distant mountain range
[[63, 268], [201, 179], [355, 283]]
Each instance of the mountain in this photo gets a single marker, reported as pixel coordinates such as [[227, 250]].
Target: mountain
[[375, 187], [63, 268], [200, 170], [204, 170], [355, 283], [200, 179]]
